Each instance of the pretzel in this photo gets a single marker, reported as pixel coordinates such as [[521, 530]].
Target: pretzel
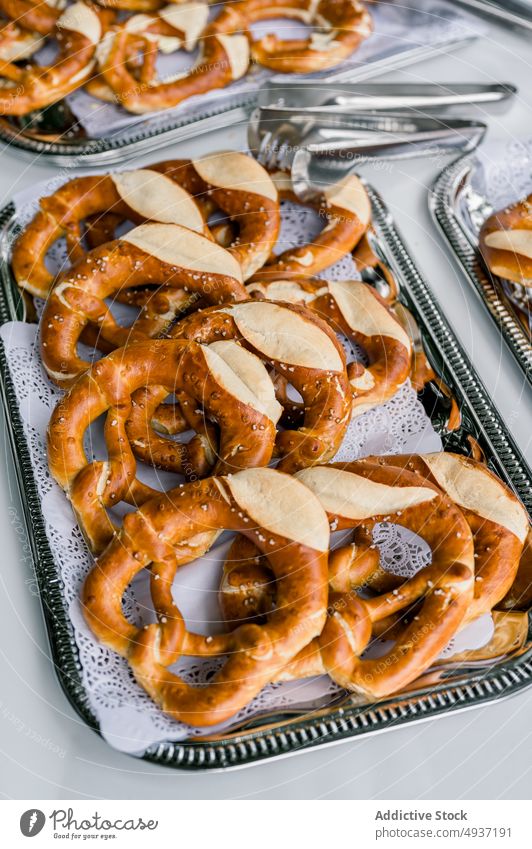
[[301, 348], [242, 189], [357, 311], [346, 210], [257, 502], [224, 58], [77, 33], [497, 520], [505, 242], [141, 195], [36, 16], [132, 5], [339, 27], [163, 255], [203, 374], [519, 596]]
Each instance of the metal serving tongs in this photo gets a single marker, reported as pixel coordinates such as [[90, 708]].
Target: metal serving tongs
[[340, 97], [338, 143]]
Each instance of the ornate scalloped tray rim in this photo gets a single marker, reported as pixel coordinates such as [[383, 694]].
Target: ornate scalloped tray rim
[[284, 735], [443, 200]]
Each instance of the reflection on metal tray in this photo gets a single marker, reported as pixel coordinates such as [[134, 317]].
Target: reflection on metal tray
[[458, 210], [448, 688], [514, 13], [403, 35]]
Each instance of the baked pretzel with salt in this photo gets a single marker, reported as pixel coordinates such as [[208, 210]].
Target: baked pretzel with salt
[[34, 16], [137, 196], [357, 311], [224, 58], [257, 502], [300, 347], [505, 242], [201, 373], [165, 256], [346, 210], [363, 494], [238, 186], [339, 27], [24, 89], [497, 520]]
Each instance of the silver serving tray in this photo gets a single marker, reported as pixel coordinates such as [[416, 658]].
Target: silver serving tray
[[513, 13], [451, 199], [282, 733], [51, 133]]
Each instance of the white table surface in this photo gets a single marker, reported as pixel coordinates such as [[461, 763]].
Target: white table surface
[[49, 753]]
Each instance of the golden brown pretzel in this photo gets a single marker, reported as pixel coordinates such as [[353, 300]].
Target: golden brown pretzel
[[301, 348], [224, 58], [257, 502], [201, 373], [77, 33], [505, 242], [341, 25], [32, 15], [346, 212], [498, 521], [163, 255], [242, 189], [496, 518], [140, 195], [356, 310]]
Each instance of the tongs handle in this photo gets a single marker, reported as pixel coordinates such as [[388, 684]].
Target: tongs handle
[[393, 145]]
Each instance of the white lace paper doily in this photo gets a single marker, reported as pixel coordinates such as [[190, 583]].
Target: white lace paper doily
[[128, 718], [397, 29]]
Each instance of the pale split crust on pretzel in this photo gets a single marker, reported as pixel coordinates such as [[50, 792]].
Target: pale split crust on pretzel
[[141, 195], [356, 310], [346, 210], [256, 502], [505, 242], [247, 432], [166, 256], [301, 348], [77, 32]]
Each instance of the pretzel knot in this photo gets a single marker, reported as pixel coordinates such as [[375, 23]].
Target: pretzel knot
[[164, 255], [77, 32], [224, 58], [305, 352], [359, 313], [505, 242], [345, 209], [260, 504], [242, 403], [339, 27]]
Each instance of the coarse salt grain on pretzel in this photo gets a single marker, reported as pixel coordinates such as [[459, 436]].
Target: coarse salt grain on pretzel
[[237, 185], [357, 311], [346, 210], [505, 242], [288, 525], [339, 26], [140, 195], [301, 348], [77, 32], [164, 256], [362, 494], [224, 58], [203, 374]]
